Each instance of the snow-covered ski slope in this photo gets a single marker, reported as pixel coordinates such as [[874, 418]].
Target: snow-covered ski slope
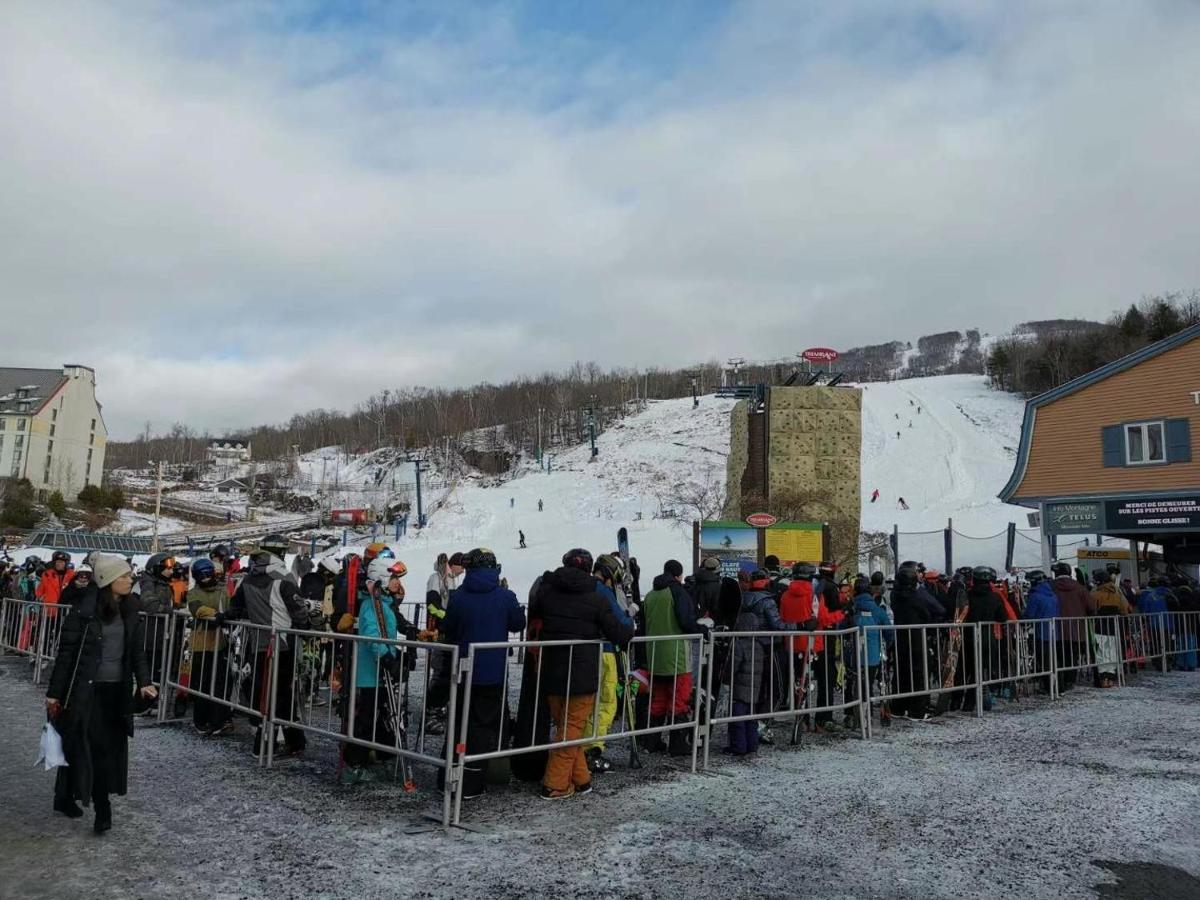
[[646, 463], [950, 464]]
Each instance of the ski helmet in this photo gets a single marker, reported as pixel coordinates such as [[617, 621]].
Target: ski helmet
[[877, 579], [203, 570], [1101, 576], [158, 562], [330, 564], [906, 577], [804, 571], [983, 574], [862, 585], [220, 552], [480, 558], [1035, 576], [397, 569], [578, 559], [58, 555], [608, 567], [373, 550], [1061, 568]]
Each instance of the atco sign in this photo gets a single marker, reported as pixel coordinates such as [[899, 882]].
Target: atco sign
[[820, 354]]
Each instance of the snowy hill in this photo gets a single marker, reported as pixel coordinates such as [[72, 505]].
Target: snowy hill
[[646, 463], [950, 464]]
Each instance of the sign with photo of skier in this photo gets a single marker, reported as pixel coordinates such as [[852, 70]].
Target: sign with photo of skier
[[735, 544]]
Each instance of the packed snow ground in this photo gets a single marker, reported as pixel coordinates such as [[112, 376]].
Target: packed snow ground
[[1028, 801]]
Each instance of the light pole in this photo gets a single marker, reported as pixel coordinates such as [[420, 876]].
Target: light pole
[[693, 377], [592, 426], [416, 461], [735, 364]]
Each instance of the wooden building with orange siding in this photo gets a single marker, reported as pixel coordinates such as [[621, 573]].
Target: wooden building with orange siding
[[1113, 452]]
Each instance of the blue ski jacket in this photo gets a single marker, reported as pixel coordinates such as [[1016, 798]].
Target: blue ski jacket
[[372, 653], [1042, 604], [868, 612], [483, 612]]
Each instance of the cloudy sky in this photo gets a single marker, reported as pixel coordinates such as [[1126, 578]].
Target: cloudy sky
[[239, 211]]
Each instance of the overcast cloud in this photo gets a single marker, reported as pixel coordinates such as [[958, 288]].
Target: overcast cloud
[[238, 212]]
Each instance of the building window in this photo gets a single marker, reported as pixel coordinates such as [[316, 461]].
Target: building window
[[1144, 444], [89, 457], [1, 443], [93, 424], [20, 424], [20, 441], [52, 427], [54, 415], [49, 447], [3, 423], [91, 439]]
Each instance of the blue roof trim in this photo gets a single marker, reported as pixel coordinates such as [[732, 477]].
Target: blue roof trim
[[1077, 384]]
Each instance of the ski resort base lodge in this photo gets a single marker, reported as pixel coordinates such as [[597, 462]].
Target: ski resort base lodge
[[1113, 453]]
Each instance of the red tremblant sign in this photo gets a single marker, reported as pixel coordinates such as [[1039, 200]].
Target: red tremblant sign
[[761, 520], [820, 354]]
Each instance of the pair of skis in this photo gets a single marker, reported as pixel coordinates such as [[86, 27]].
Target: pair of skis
[[627, 699]]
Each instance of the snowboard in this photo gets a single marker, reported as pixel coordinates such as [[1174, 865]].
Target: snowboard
[[950, 664]]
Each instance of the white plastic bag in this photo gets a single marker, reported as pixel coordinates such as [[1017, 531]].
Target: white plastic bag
[[52, 749]]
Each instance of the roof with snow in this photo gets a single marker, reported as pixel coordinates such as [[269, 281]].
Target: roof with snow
[[35, 386], [1077, 384]]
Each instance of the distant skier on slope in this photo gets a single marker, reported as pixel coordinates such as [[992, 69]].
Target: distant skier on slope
[[521, 536], [903, 505], [874, 495], [539, 505]]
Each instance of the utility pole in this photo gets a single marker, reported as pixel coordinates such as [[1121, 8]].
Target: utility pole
[[416, 460], [157, 508], [539, 436], [591, 411], [693, 376]]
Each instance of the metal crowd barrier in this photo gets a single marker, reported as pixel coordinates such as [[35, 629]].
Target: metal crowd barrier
[[1010, 655], [782, 677], [370, 694], [924, 662], [640, 663], [1183, 629]]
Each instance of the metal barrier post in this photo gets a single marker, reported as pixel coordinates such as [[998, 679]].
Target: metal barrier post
[[709, 702], [699, 733], [1162, 627], [977, 650], [451, 708], [272, 681], [1118, 630], [165, 673], [860, 666], [460, 734], [38, 638], [1054, 691]]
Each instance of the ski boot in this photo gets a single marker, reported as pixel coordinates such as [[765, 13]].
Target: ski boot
[[597, 764]]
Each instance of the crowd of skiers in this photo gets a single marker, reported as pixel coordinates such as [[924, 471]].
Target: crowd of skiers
[[778, 621]]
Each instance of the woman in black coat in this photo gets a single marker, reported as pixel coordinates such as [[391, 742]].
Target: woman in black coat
[[101, 654]]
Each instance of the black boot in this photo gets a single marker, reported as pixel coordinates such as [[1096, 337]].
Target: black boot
[[68, 808], [680, 743], [103, 816], [653, 743]]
